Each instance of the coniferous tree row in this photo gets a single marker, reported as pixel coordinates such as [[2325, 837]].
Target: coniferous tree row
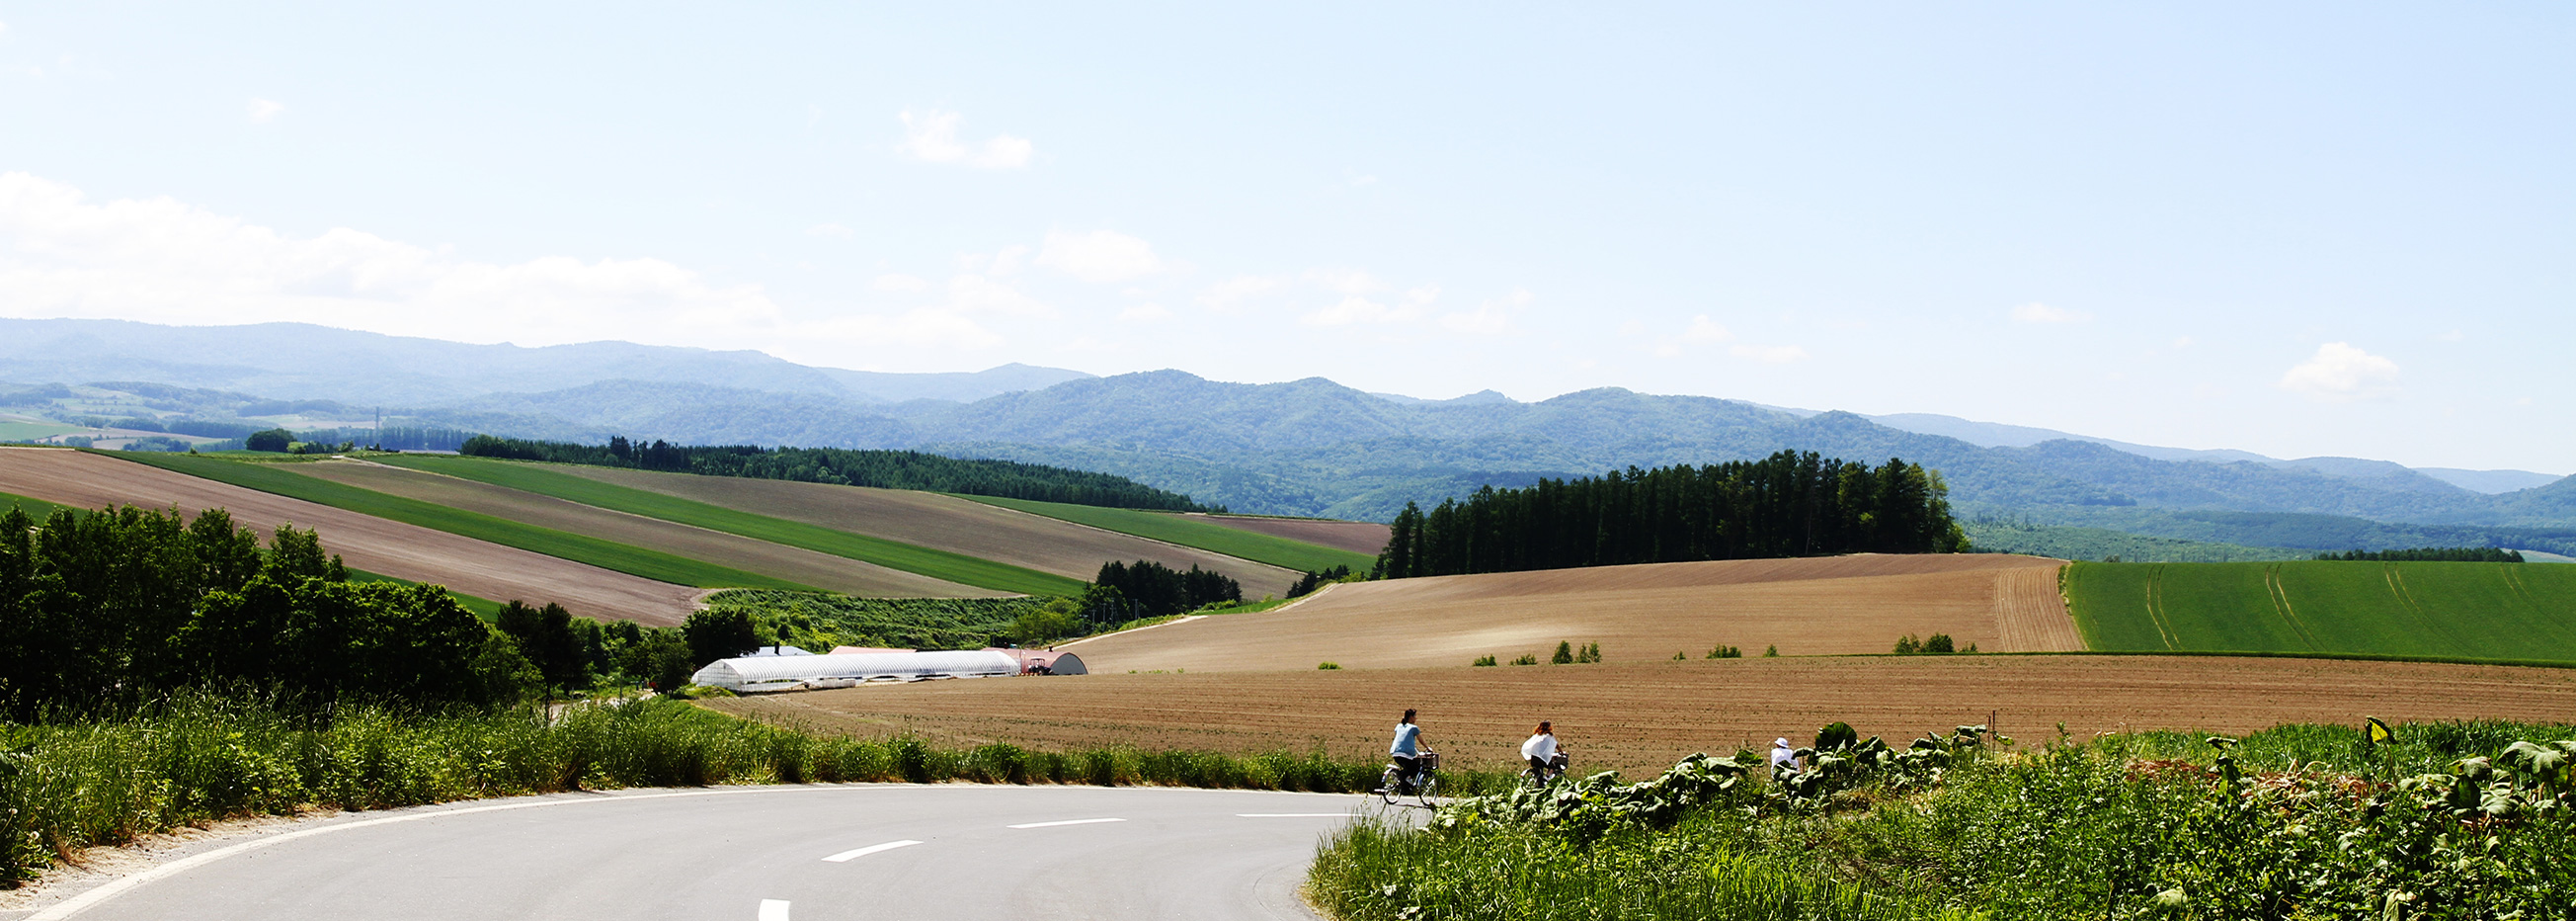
[[845, 467], [1789, 504], [1126, 591]]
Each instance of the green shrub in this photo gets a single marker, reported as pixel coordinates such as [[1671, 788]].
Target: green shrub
[[1723, 651], [1564, 654], [1526, 660], [1483, 661], [1327, 666]]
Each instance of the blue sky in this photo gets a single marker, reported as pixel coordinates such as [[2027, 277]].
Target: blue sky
[[2299, 229]]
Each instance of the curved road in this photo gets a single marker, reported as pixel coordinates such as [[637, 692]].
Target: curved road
[[784, 853]]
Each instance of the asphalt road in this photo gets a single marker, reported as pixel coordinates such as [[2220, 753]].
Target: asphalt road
[[787, 853]]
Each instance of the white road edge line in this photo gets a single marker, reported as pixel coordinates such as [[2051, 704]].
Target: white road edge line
[[1293, 815], [108, 890], [773, 910], [1066, 822], [847, 856]]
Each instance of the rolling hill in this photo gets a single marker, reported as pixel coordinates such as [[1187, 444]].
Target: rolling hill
[[1646, 613]]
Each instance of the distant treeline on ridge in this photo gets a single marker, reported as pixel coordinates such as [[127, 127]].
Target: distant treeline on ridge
[[845, 467], [2430, 554], [1788, 504]]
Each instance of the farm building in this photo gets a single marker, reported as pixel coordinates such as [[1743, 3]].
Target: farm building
[[756, 673]]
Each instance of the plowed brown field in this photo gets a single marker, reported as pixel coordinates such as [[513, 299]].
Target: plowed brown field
[[1642, 717], [944, 523], [1355, 536], [1832, 605], [366, 542], [821, 570]]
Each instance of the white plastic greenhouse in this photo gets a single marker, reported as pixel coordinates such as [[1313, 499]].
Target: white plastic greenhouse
[[794, 673]]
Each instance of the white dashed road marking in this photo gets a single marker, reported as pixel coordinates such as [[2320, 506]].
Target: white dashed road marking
[[847, 856], [773, 910], [1066, 822]]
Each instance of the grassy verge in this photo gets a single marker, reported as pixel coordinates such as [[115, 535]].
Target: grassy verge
[[201, 758], [579, 548], [2295, 822], [1172, 527], [937, 564], [38, 509], [2473, 611]]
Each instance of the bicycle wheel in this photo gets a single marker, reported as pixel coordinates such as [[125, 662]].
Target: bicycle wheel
[[1429, 788], [1386, 785]]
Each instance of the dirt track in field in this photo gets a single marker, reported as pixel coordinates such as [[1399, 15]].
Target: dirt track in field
[[366, 542], [1356, 536], [1642, 717], [944, 523], [805, 567], [1821, 606]]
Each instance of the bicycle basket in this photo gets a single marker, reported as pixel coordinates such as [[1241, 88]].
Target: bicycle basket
[[1430, 761]]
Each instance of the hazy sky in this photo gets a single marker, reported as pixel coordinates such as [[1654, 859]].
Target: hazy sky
[[2327, 229]]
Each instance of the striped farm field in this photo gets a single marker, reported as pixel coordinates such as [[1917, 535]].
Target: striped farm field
[[1640, 717], [38, 509], [90, 480], [1638, 614], [1195, 531], [582, 548], [1365, 537], [2490, 611], [522, 479]]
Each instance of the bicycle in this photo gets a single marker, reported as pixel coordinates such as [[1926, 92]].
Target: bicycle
[[1542, 776], [1394, 785]]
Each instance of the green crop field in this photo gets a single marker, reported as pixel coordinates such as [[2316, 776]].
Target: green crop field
[[937, 564], [38, 509], [579, 548], [2517, 611], [30, 431], [1173, 527]]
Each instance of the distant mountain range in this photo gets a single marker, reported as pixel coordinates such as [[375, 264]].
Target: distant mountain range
[[1307, 447]]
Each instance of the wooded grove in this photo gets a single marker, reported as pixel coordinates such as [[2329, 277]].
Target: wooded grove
[[1788, 504]]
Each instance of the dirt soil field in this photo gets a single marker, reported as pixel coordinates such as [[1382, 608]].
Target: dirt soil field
[[1641, 718], [796, 564], [941, 522], [366, 542], [1356, 536], [1818, 606]]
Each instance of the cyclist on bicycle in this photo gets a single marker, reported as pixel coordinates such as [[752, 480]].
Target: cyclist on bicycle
[[1407, 747], [1541, 751]]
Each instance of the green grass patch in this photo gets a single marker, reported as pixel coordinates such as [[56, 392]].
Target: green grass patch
[[819, 621], [1173, 527], [579, 548], [2470, 611], [937, 564], [38, 509], [30, 431]]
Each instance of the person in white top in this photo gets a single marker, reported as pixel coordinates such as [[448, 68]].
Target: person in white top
[[1541, 748], [1781, 754]]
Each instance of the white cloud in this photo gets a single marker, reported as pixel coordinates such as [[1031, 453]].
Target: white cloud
[[1344, 281], [1491, 318], [1702, 329], [2339, 372], [932, 137], [899, 282], [162, 261], [1229, 295], [1355, 309], [977, 294], [1769, 354], [830, 230], [1003, 263], [1144, 312], [2035, 312], [262, 110], [1099, 257]]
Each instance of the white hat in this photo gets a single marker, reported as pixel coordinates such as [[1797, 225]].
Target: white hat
[[1783, 743]]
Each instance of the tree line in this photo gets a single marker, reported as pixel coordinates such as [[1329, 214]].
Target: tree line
[[1789, 504], [848, 467], [1128, 591], [109, 608], [2431, 554]]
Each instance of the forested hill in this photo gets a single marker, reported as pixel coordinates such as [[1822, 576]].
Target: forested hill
[[886, 469]]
